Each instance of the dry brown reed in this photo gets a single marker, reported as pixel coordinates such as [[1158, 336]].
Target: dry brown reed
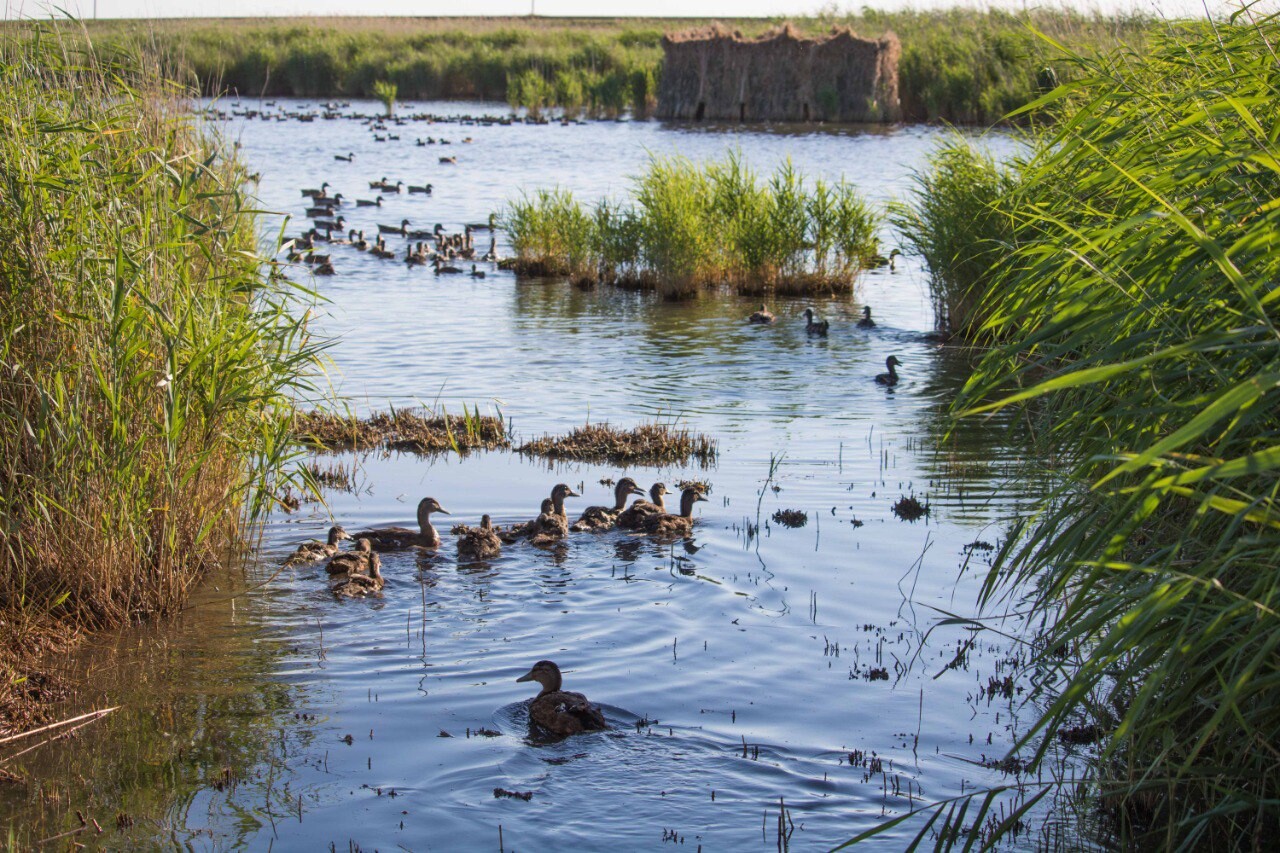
[[647, 444], [409, 430]]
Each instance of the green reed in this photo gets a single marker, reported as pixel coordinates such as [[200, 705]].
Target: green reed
[[956, 221], [961, 66], [147, 353], [1142, 341], [689, 227]]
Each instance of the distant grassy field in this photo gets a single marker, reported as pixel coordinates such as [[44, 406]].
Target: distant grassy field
[[960, 66]]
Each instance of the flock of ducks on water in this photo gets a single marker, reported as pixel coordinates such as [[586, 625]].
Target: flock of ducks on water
[[434, 247], [358, 572], [814, 325]]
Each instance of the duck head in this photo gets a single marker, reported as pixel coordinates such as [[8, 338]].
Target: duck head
[[364, 546], [808, 314], [891, 362], [866, 312], [404, 223], [485, 523], [545, 673], [625, 488], [547, 506], [688, 498], [336, 533], [656, 491], [426, 506], [558, 494]]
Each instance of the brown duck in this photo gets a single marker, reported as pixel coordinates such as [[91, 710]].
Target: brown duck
[[762, 317], [636, 516], [398, 538], [363, 578], [676, 525], [598, 519], [560, 712], [310, 552], [480, 543], [550, 527]]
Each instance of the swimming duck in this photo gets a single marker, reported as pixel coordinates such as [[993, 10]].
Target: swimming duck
[[635, 517], [320, 193], [396, 538], [357, 584], [377, 185], [813, 325], [866, 322], [448, 161], [598, 519], [551, 527], [476, 272], [442, 267], [355, 561], [762, 317], [890, 378], [480, 543], [425, 190], [364, 202], [676, 525], [557, 711], [348, 159], [876, 261], [402, 229], [516, 532], [310, 552]]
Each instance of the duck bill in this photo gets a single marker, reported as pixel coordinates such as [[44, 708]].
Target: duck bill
[[442, 510], [528, 676], [636, 490], [699, 498], [572, 494]]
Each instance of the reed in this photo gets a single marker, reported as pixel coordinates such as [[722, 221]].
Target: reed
[[423, 431], [1140, 325], [958, 219], [147, 354], [959, 65], [690, 227], [654, 443]]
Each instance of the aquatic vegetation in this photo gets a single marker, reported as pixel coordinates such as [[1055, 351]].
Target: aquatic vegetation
[[957, 220], [957, 65], [909, 508], [150, 356], [690, 227], [654, 443], [791, 518], [386, 92], [1139, 320], [410, 430]]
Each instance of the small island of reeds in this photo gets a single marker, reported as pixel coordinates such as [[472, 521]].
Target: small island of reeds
[[689, 227], [646, 444]]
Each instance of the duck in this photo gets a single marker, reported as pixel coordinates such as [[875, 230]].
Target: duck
[[598, 519], [358, 241], [877, 261], [362, 583], [399, 538], [550, 527], [348, 159], [890, 378], [516, 532], [310, 552], [424, 190], [352, 562], [560, 712], [480, 543], [667, 524], [635, 517], [402, 229], [320, 193], [866, 322], [762, 317], [365, 202], [377, 185], [448, 161], [813, 325], [476, 272], [442, 267]]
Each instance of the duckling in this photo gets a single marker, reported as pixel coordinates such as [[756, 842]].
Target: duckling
[[356, 585], [890, 378], [676, 525], [762, 317], [352, 562], [813, 325], [516, 532], [310, 552], [480, 543], [866, 322], [550, 527], [635, 517], [557, 711], [476, 273], [397, 538], [598, 519]]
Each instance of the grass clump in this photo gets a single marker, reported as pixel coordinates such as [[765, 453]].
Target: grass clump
[[410, 430], [690, 227], [647, 444], [958, 219], [148, 359], [1140, 328]]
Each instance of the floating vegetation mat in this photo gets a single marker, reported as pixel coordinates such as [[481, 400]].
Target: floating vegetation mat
[[792, 518], [410, 430], [910, 509], [646, 444]]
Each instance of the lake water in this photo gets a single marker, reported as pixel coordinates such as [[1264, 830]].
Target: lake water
[[740, 669]]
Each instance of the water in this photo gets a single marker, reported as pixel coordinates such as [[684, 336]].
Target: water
[[736, 669]]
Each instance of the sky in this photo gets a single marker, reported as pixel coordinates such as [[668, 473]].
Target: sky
[[662, 8]]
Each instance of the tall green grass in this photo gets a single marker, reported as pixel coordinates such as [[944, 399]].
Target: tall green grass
[[1142, 328], [960, 65], [689, 227], [146, 355], [957, 218]]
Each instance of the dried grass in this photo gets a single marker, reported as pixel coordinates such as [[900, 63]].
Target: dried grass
[[647, 444], [409, 430]]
